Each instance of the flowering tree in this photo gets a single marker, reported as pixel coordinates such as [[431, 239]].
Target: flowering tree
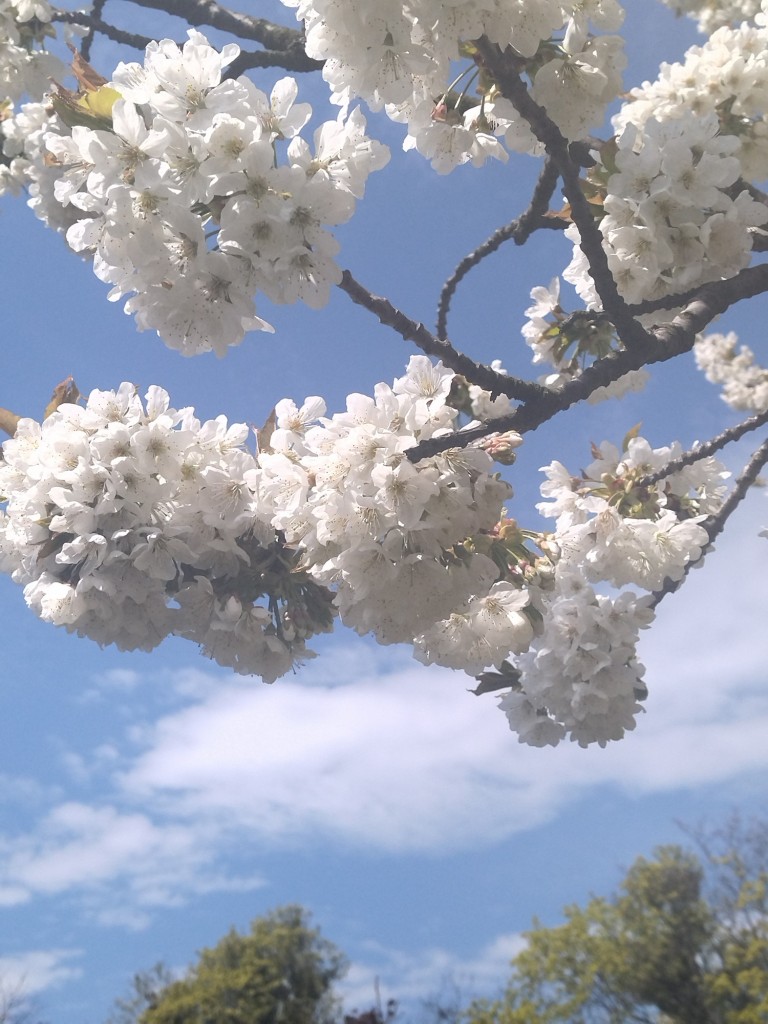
[[194, 193]]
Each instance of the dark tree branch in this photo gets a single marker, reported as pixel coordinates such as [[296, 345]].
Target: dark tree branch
[[94, 24], [665, 342], [85, 46], [505, 72], [290, 60], [715, 525], [244, 26], [411, 330], [284, 47], [706, 448], [520, 230]]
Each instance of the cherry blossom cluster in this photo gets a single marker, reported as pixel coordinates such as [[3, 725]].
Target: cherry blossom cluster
[[26, 69], [676, 213], [713, 14], [580, 676], [127, 522], [389, 535], [744, 381], [179, 198], [620, 529], [569, 343], [30, 169], [726, 76], [672, 218], [403, 57]]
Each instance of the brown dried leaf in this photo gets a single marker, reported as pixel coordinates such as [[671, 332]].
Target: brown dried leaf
[[630, 435], [88, 78], [264, 434], [65, 392], [8, 421]]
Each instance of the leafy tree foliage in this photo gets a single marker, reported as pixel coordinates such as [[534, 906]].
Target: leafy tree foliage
[[146, 989], [281, 972], [685, 941]]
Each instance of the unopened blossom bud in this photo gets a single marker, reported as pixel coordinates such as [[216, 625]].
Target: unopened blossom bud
[[501, 447]]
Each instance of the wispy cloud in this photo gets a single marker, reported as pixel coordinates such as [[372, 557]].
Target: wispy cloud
[[123, 862], [29, 972]]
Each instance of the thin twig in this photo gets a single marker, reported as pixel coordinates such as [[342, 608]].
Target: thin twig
[[85, 46], [520, 229], [665, 342], [706, 448], [412, 330], [714, 525]]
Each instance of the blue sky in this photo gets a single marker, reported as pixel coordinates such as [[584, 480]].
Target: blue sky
[[150, 802]]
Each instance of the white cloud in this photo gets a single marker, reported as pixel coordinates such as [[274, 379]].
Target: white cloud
[[125, 857], [379, 751], [398, 761], [434, 975], [414, 762], [26, 973]]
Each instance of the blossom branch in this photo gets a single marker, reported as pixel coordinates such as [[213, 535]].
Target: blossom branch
[[412, 330], [701, 451], [291, 60], [665, 342], [244, 26], [85, 46], [505, 72], [285, 46], [96, 24], [519, 230], [714, 525], [745, 284]]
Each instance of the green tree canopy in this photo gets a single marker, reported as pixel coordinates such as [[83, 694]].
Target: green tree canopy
[[281, 972], [684, 941]]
